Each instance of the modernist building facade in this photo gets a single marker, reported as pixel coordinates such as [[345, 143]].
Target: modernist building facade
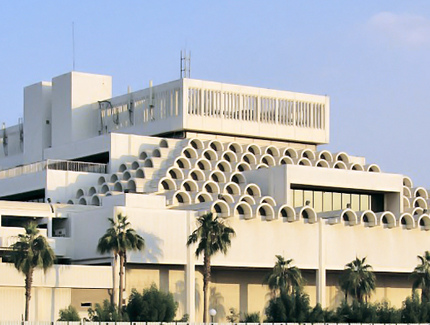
[[166, 154]]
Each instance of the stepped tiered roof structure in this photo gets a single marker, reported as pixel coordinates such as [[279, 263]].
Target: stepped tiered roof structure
[[166, 154]]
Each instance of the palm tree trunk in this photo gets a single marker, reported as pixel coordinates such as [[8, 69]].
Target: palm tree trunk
[[121, 277], [206, 280], [114, 262], [28, 282]]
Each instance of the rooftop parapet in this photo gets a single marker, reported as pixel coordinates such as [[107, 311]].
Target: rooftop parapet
[[218, 108]]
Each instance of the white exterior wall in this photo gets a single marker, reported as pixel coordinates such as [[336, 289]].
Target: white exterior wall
[[23, 183], [63, 185], [51, 291], [257, 240], [81, 148], [262, 124], [277, 181], [74, 105], [37, 120]]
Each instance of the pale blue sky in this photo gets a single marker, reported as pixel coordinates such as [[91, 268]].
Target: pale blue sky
[[371, 57]]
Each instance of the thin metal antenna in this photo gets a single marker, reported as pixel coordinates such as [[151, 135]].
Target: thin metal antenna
[[185, 64], [73, 44]]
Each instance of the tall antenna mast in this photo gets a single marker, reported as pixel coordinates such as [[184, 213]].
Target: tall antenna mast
[[185, 64], [73, 44]]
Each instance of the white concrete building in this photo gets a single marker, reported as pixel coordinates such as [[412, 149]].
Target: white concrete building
[[164, 155]]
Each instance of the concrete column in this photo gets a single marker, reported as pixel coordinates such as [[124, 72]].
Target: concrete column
[[190, 273], [243, 296], [321, 272], [49, 227]]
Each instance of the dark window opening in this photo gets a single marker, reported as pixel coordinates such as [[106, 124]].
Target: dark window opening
[[377, 202], [32, 196], [165, 185], [100, 158], [194, 176]]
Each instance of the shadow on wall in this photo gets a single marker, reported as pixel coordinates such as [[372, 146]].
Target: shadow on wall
[[337, 298], [152, 251], [181, 295], [216, 301]]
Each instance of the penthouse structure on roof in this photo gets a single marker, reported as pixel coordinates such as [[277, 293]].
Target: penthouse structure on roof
[[169, 153]]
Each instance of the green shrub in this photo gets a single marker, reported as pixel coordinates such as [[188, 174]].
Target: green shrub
[[105, 313], [69, 314], [151, 306], [414, 310], [288, 308], [251, 318]]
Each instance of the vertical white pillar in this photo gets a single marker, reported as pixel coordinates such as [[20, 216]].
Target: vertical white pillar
[[50, 227], [190, 273], [321, 272]]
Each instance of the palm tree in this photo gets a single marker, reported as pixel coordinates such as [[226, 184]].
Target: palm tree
[[119, 239], [213, 236], [421, 276], [284, 277], [358, 280], [30, 252]]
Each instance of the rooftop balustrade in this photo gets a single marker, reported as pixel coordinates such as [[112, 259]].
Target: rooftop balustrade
[[64, 165], [211, 107]]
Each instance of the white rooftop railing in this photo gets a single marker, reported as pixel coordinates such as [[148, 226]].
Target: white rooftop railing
[[74, 166]]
